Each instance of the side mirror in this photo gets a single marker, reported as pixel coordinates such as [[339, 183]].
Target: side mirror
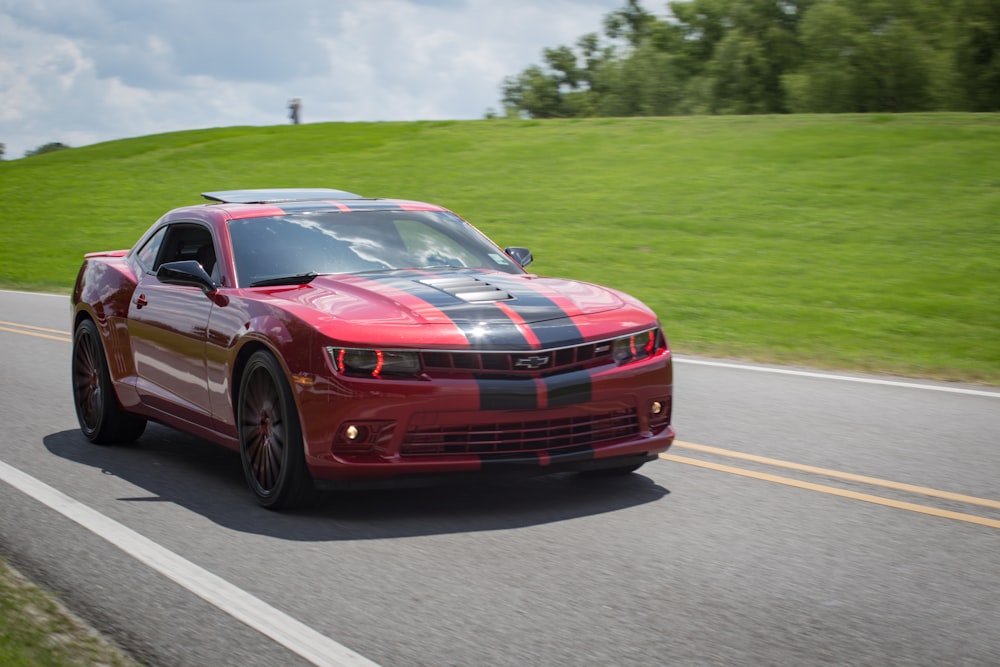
[[520, 255], [188, 272]]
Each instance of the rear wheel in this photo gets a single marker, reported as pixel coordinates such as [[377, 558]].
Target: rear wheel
[[101, 418], [271, 437]]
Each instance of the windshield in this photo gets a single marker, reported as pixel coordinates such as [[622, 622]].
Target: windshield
[[300, 244]]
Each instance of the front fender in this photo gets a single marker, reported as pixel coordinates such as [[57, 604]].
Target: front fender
[[291, 342]]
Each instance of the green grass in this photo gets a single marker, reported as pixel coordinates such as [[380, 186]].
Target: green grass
[[35, 631], [856, 242]]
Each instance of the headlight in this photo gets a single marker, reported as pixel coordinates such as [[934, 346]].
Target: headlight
[[635, 347], [368, 363]]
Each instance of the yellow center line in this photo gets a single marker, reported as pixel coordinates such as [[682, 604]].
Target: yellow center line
[[28, 326], [834, 491], [64, 338], [873, 481]]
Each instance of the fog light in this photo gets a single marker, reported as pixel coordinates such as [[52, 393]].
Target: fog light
[[656, 408], [362, 437]]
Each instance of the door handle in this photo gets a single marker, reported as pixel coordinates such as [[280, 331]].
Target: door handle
[[140, 301]]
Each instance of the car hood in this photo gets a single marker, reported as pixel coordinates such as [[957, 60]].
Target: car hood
[[463, 309]]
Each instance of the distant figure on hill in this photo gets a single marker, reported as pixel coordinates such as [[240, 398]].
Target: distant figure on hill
[[294, 110]]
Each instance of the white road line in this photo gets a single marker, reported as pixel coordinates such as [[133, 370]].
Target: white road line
[[279, 626], [16, 291], [845, 378]]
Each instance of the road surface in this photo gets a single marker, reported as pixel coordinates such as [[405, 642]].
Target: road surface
[[803, 518]]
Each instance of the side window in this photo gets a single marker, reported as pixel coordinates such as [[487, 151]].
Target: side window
[[188, 241], [147, 254]]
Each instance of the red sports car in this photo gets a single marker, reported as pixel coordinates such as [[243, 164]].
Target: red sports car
[[339, 341]]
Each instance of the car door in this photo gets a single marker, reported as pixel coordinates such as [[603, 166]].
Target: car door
[[168, 329]]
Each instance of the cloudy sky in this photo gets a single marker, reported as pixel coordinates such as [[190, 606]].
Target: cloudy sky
[[85, 71]]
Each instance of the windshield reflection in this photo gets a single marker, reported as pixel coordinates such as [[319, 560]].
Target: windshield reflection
[[336, 242]]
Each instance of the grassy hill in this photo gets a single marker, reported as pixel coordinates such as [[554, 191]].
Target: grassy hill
[[861, 242]]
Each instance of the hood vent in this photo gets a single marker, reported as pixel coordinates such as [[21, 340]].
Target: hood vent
[[468, 289]]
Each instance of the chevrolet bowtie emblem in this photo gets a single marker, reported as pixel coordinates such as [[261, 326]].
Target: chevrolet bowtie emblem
[[531, 363]]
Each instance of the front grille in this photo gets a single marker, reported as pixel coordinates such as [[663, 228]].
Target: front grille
[[536, 435], [517, 363]]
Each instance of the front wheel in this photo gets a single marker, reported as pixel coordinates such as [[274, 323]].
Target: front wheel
[[101, 418], [271, 437]]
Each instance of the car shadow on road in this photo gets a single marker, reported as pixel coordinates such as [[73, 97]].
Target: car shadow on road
[[173, 467]]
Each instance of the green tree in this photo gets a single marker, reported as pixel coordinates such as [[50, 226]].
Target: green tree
[[772, 56], [977, 54], [830, 34], [51, 147], [631, 23], [871, 55], [737, 52], [647, 83], [737, 76], [621, 74]]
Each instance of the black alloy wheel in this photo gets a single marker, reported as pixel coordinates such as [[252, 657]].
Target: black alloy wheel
[[271, 437], [101, 418]]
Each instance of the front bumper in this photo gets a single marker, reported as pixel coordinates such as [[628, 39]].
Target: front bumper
[[416, 432]]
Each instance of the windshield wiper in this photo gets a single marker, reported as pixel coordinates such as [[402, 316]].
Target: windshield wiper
[[298, 279]]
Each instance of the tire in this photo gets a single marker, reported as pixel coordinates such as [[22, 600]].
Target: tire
[[101, 419], [271, 436]]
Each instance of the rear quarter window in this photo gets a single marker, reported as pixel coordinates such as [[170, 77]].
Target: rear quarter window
[[148, 252]]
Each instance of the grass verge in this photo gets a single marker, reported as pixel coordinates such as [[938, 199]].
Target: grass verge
[[36, 631]]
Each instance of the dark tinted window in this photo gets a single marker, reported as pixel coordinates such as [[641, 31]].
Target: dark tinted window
[[358, 242], [147, 253], [187, 241], [178, 242]]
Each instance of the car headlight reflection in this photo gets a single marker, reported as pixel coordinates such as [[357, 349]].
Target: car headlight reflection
[[636, 347], [360, 362]]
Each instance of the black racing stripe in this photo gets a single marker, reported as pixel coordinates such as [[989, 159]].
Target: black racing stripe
[[572, 455], [555, 333], [487, 326], [484, 324], [512, 461], [546, 319], [507, 394], [522, 394], [568, 389]]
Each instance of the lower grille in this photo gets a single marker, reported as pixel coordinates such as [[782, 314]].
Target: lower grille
[[522, 436]]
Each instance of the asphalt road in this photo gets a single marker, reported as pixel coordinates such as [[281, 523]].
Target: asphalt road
[[803, 519]]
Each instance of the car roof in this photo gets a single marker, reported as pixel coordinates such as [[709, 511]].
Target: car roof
[[260, 203], [275, 195]]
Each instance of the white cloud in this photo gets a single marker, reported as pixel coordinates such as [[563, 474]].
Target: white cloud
[[83, 71]]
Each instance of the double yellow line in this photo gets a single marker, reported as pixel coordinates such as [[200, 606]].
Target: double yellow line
[[836, 491], [38, 332]]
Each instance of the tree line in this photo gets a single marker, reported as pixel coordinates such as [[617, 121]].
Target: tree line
[[50, 147], [771, 56]]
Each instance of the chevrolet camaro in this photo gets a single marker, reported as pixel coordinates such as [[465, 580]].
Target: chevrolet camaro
[[338, 341]]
